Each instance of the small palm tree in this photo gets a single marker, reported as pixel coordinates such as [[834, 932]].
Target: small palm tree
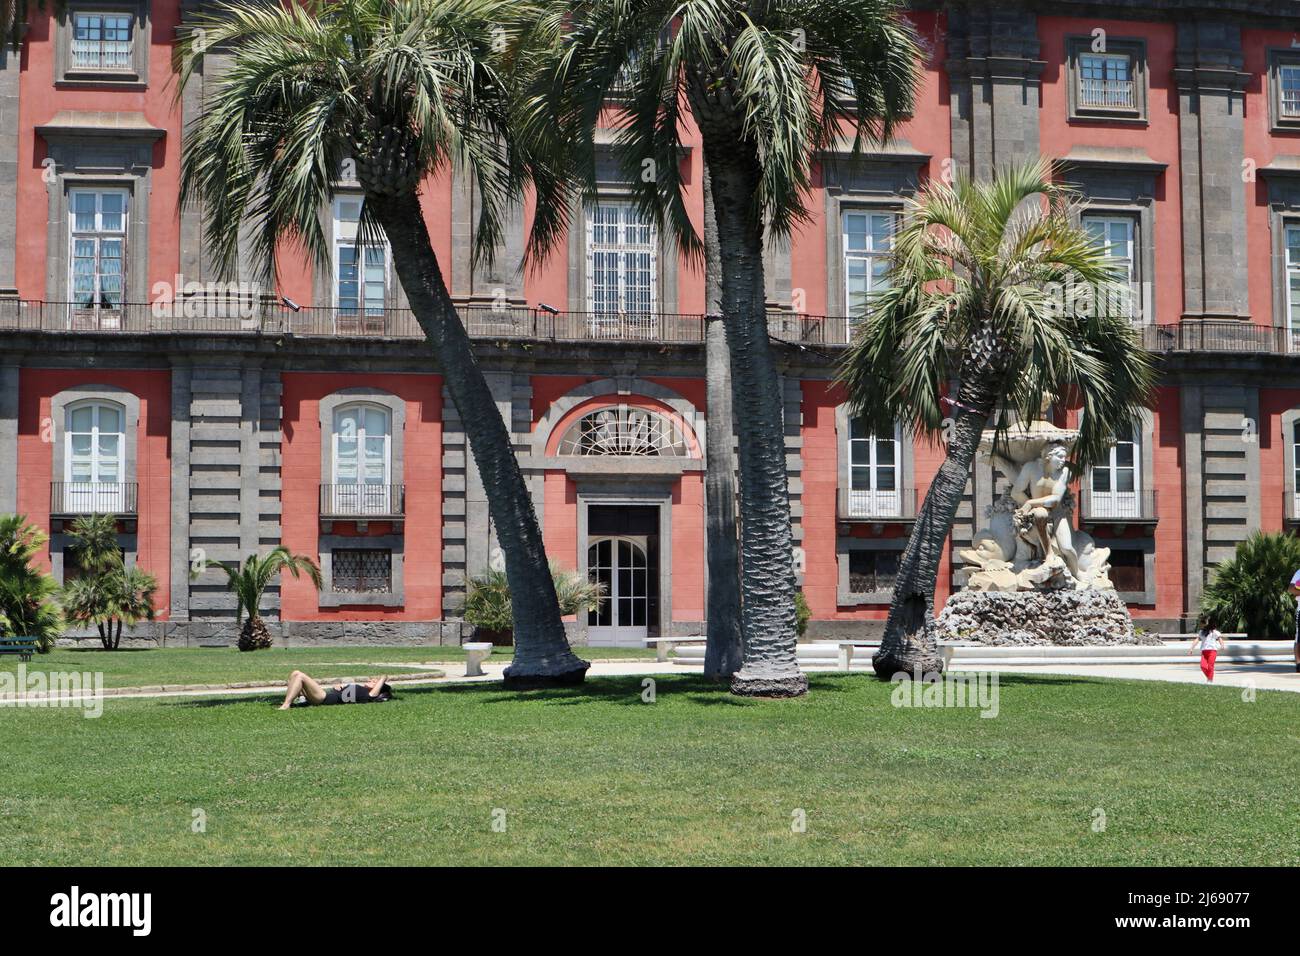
[[106, 593], [975, 297], [398, 91], [488, 605], [250, 580], [1251, 592], [771, 87], [28, 596]]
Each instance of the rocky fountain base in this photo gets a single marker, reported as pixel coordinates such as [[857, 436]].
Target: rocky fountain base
[[1066, 618]]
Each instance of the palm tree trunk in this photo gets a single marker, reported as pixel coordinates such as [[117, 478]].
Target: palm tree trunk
[[105, 637], [908, 645], [724, 650], [767, 587], [542, 653]]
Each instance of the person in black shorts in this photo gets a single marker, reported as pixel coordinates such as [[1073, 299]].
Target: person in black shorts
[[300, 685]]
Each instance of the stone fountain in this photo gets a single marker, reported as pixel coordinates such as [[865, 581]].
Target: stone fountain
[[1035, 578]]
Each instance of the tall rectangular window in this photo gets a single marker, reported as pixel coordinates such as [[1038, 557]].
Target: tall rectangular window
[[1115, 235], [360, 270], [622, 265], [874, 486], [868, 242], [1293, 280], [1288, 83], [1116, 480], [97, 263], [1106, 81], [101, 41]]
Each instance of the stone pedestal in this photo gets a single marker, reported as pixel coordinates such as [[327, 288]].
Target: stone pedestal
[[1066, 618]]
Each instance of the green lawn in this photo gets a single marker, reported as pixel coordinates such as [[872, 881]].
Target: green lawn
[[226, 665], [1184, 774]]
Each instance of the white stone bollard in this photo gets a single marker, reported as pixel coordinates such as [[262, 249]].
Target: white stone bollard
[[475, 655]]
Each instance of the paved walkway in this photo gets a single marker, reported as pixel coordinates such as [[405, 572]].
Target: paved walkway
[[1281, 676]]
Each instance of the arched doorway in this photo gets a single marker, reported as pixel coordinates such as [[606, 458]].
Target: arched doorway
[[622, 564]]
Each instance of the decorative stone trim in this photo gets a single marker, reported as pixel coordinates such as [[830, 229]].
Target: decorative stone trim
[[1135, 48], [396, 408], [65, 74], [395, 543], [844, 596]]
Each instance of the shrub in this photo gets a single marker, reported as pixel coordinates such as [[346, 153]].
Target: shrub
[[802, 614], [487, 602], [1250, 591], [28, 605]]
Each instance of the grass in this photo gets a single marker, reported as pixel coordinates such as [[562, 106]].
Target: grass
[[226, 665], [1184, 774]]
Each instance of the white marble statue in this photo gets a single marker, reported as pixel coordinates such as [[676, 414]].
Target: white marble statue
[[1029, 543]]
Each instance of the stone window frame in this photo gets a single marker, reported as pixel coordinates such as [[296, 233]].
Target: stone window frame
[[129, 402], [393, 543], [1288, 420], [136, 78], [1123, 189], [1135, 48], [844, 597], [906, 456], [612, 186], [1147, 545], [1144, 431], [1279, 57], [107, 159], [873, 182], [1284, 216], [324, 290], [617, 391], [396, 408]]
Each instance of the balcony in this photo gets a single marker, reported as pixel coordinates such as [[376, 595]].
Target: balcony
[[857, 505], [1291, 509], [1107, 95], [73, 499], [232, 317], [1118, 507], [362, 503]]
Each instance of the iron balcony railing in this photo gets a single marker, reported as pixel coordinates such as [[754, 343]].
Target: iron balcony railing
[[530, 324], [860, 504], [362, 501], [1118, 507], [1107, 94], [1291, 507], [76, 498]]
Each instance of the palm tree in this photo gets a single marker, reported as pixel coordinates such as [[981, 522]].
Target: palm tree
[[975, 297], [106, 593], [403, 89], [770, 85], [1251, 593], [247, 583], [28, 606]]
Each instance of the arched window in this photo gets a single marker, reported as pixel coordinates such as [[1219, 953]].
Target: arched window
[[362, 468], [94, 457], [625, 431]]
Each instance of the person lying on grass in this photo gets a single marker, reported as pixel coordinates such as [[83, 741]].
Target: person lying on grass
[[300, 685]]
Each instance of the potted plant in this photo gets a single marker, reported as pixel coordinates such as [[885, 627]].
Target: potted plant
[[487, 602]]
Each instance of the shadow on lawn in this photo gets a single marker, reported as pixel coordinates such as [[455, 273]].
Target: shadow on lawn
[[627, 690]]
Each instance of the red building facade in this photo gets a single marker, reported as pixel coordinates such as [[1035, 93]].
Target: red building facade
[[218, 419]]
